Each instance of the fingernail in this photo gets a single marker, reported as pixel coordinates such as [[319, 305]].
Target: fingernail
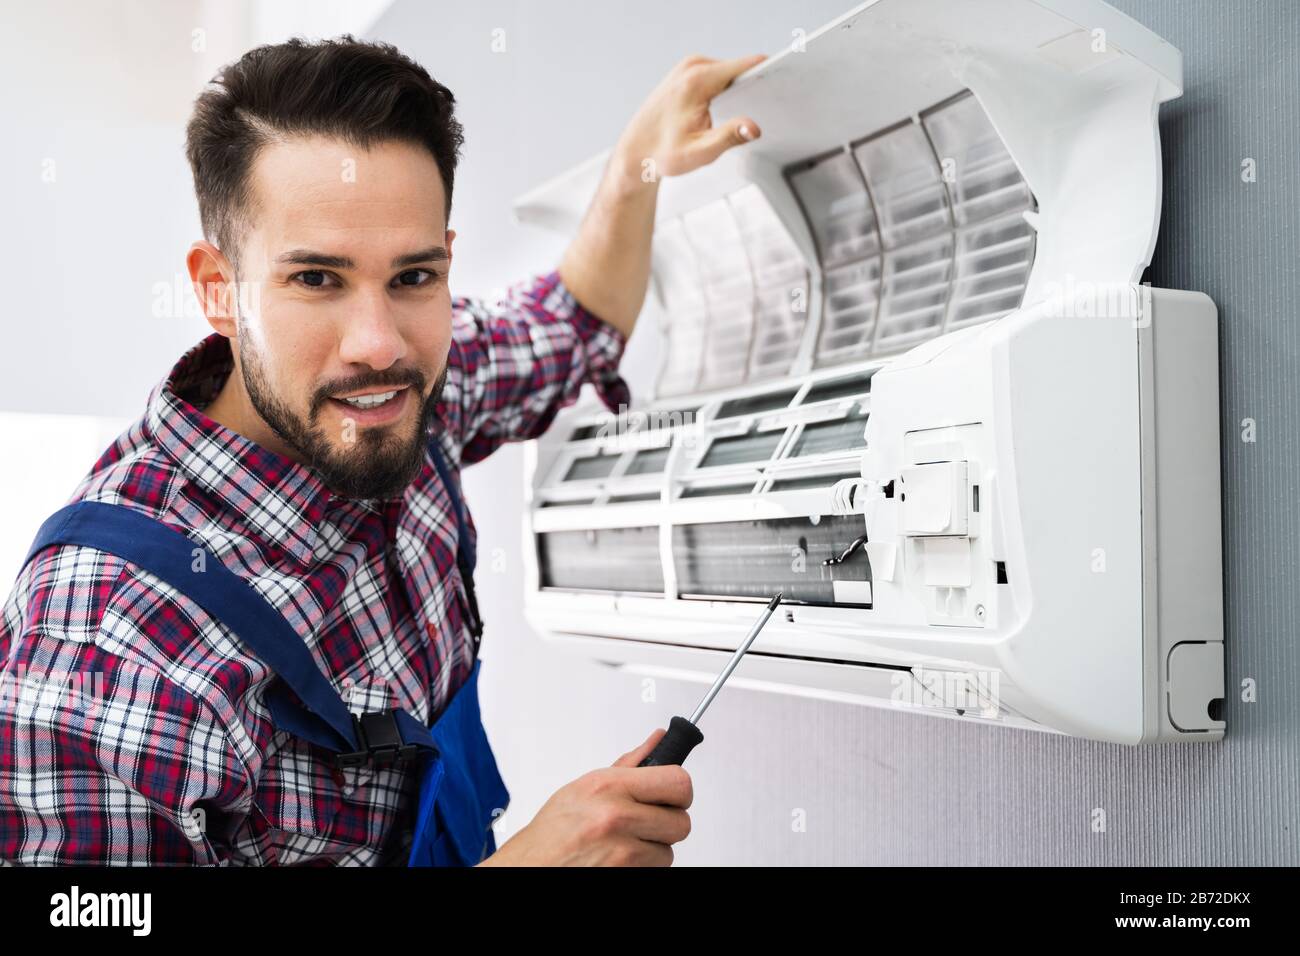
[[746, 132]]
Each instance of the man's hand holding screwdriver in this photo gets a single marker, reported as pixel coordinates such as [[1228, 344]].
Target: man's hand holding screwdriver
[[622, 815], [632, 813]]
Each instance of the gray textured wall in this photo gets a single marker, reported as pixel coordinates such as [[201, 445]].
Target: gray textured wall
[[1240, 243], [879, 787]]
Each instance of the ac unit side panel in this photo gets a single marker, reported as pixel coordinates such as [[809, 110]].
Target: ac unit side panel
[[1181, 425], [1074, 510]]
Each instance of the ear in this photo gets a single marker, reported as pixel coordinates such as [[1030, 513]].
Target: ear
[[451, 237], [214, 284]]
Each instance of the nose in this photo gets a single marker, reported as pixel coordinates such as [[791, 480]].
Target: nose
[[371, 335]]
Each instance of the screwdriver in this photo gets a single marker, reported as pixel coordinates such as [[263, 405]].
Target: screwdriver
[[683, 735]]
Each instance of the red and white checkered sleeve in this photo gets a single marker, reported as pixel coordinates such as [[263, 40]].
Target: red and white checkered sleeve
[[514, 364]]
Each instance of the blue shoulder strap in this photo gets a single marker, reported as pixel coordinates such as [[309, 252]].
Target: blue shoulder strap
[[466, 557], [168, 554]]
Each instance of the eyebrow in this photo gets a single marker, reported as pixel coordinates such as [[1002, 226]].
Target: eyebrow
[[309, 257], [432, 254]]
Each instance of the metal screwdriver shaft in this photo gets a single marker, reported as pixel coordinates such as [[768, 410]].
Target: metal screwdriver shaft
[[683, 735], [735, 659]]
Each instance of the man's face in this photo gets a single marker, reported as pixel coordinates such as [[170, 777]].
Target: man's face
[[343, 348]]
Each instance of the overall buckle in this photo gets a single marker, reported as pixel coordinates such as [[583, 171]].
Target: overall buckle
[[380, 742]]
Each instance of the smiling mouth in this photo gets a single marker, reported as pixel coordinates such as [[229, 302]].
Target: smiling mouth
[[371, 401], [375, 407]]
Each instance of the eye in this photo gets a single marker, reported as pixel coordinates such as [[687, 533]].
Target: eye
[[414, 278], [315, 279]]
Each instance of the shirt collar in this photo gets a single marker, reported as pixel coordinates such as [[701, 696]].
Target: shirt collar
[[277, 498]]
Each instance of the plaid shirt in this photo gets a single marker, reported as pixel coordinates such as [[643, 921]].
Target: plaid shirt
[[132, 724]]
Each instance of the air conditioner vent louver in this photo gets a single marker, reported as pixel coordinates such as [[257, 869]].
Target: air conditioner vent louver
[[640, 420], [609, 559], [852, 295], [823, 437], [682, 288], [728, 293], [711, 491], [593, 466], [754, 447], [634, 496], [752, 404], [737, 302], [838, 388], [648, 462], [780, 286], [755, 559], [918, 229], [814, 481], [932, 188]]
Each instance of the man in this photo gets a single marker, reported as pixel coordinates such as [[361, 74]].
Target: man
[[300, 446]]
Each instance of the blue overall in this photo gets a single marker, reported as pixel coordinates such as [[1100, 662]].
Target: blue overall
[[460, 789]]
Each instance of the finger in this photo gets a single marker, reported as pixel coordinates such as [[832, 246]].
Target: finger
[[648, 853], [634, 757], [712, 143], [656, 824], [669, 785], [718, 74], [660, 855]]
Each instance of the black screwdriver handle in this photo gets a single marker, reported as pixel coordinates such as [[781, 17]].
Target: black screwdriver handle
[[674, 746]]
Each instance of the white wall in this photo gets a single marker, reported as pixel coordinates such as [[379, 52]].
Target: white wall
[[97, 199], [98, 211]]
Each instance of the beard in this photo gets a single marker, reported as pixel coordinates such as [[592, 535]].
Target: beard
[[378, 463]]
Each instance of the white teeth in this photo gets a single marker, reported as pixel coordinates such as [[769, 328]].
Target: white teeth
[[369, 401]]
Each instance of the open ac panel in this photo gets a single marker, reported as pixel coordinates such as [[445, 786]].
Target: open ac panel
[[908, 377]]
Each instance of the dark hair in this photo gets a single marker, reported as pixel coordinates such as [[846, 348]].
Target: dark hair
[[362, 92]]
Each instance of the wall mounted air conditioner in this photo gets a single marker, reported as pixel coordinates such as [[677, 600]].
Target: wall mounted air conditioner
[[903, 333]]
